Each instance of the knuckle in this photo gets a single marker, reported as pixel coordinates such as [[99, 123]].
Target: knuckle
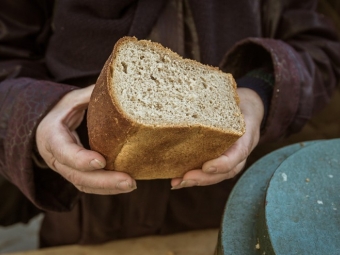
[[113, 192], [223, 165], [244, 152], [58, 154], [87, 190], [74, 162], [232, 173], [74, 178], [206, 182], [100, 185], [97, 191], [77, 164], [81, 188], [53, 163], [235, 171]]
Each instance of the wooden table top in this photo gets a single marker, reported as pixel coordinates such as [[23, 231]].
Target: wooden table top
[[189, 243]]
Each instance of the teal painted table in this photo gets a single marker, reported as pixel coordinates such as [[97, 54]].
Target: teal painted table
[[286, 203]]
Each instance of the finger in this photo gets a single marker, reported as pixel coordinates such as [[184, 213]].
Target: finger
[[97, 181], [76, 138], [80, 98], [229, 160], [75, 100], [74, 117], [82, 95], [200, 178], [65, 150], [87, 91], [176, 181]]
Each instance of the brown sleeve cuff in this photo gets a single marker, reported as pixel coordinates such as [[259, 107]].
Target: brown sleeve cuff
[[287, 112], [24, 102], [261, 81]]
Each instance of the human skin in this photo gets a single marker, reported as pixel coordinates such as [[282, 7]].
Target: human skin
[[230, 163], [60, 147]]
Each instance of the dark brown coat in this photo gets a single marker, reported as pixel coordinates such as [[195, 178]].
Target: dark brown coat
[[45, 47]]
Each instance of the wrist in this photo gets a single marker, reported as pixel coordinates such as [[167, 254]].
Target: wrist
[[261, 81], [37, 158], [251, 104]]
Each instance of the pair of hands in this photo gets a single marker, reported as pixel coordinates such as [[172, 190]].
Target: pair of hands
[[60, 147]]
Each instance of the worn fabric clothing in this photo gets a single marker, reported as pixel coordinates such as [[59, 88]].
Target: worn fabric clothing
[[48, 48]]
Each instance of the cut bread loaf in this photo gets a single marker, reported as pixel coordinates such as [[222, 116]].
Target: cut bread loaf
[[153, 114]]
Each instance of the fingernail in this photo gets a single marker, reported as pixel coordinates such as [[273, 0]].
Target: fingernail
[[211, 170], [125, 186], [97, 164], [133, 186], [186, 184], [176, 187]]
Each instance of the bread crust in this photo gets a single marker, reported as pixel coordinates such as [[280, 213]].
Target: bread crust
[[149, 151]]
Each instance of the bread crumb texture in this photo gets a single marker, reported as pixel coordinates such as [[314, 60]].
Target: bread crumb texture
[[157, 87], [177, 103]]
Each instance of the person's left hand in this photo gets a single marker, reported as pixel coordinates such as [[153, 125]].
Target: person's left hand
[[233, 160]]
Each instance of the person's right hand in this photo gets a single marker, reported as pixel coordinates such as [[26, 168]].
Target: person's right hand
[[59, 145]]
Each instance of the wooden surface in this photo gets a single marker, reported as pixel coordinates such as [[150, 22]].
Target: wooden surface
[[189, 243]]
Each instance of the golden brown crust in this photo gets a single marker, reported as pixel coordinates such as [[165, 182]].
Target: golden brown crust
[[145, 151], [107, 127], [169, 152]]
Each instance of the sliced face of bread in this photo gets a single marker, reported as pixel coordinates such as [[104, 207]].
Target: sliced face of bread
[[154, 114]]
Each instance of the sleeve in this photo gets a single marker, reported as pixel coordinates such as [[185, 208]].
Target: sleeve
[[26, 95], [303, 50], [261, 81]]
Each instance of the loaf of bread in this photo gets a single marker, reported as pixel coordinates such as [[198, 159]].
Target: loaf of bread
[[155, 115]]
